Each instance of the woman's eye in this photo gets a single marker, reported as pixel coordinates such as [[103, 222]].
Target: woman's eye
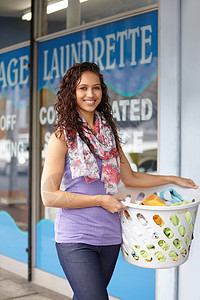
[[97, 88], [83, 88]]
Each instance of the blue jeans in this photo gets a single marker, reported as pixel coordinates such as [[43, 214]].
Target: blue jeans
[[88, 268]]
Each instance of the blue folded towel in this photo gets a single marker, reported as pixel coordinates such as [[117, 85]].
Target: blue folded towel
[[171, 195]]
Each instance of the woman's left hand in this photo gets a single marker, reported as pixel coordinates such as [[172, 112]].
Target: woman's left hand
[[185, 182]]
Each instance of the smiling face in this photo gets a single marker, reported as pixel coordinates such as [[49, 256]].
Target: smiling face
[[88, 93]]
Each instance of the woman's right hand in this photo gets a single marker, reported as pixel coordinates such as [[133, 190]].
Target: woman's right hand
[[111, 203]]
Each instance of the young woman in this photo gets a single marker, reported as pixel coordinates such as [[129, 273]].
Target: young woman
[[85, 154]]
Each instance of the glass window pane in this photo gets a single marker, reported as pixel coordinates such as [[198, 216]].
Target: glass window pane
[[13, 29], [65, 14], [14, 154], [82, 12]]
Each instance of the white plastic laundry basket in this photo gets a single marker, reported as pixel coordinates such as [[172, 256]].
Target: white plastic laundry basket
[[151, 244]]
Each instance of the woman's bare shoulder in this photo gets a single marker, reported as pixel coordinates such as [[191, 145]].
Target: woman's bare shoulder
[[57, 141]]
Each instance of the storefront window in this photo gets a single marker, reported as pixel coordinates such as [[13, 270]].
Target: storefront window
[[126, 52], [14, 153]]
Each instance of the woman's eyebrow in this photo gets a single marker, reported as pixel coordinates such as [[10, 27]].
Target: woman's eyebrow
[[88, 84]]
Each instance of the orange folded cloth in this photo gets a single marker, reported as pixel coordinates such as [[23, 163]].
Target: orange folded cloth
[[153, 200]]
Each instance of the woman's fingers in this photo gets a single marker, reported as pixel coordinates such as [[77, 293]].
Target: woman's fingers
[[185, 182], [113, 204]]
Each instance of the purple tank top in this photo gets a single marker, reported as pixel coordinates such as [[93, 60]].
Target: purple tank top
[[91, 225]]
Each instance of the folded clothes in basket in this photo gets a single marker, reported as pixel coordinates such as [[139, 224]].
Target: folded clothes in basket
[[171, 195], [153, 200], [164, 198]]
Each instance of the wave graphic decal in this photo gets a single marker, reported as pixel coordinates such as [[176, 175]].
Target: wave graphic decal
[[13, 241], [46, 256]]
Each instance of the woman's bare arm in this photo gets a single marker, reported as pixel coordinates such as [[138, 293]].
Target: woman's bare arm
[[136, 179]]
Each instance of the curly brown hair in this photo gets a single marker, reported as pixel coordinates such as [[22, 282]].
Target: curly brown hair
[[68, 117]]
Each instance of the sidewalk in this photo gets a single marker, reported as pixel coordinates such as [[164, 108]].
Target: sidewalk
[[16, 287]]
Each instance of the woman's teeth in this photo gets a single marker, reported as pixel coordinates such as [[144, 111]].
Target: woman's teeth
[[89, 101]]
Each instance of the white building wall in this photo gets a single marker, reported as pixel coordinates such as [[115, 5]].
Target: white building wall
[[169, 118], [179, 126], [189, 273]]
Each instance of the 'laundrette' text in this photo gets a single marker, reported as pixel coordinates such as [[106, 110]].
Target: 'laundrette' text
[[108, 52]]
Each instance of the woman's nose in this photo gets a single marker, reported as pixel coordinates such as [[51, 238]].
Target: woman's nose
[[90, 93]]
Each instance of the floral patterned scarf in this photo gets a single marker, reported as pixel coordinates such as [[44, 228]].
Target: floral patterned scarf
[[83, 161]]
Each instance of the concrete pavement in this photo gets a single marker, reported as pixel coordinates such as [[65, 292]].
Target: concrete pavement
[[16, 287]]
